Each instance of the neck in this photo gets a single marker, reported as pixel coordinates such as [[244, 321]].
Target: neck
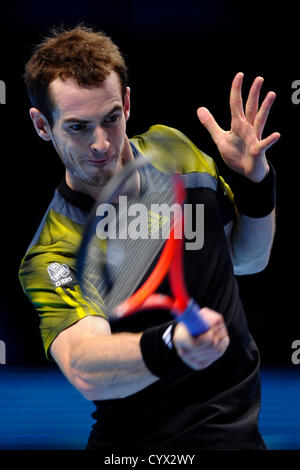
[[77, 185]]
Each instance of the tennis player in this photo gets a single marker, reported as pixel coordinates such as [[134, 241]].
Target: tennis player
[[153, 385]]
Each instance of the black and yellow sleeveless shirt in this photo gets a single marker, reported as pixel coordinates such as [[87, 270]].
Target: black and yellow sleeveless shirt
[[216, 408]]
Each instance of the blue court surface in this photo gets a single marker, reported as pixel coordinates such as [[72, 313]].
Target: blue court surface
[[40, 410]]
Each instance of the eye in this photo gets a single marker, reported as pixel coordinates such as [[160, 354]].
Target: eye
[[77, 127], [112, 118]]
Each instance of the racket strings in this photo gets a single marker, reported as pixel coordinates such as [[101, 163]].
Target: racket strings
[[115, 272], [139, 255]]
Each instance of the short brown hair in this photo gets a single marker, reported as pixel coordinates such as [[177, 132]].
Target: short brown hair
[[80, 53]]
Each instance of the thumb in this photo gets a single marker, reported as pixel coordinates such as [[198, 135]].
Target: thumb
[[208, 121]]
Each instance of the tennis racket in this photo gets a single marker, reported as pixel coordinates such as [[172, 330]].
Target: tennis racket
[[133, 239]]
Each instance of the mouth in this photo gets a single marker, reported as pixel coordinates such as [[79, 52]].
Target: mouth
[[99, 161]]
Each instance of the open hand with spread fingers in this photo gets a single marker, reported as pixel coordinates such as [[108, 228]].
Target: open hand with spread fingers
[[242, 148]]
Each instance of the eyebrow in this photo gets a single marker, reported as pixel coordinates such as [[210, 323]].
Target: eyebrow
[[85, 121]]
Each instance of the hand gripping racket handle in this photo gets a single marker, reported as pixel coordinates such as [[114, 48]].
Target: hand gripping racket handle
[[193, 320]]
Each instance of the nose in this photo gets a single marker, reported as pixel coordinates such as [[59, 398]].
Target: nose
[[100, 143]]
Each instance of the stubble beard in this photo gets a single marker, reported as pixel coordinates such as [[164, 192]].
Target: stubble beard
[[99, 179]]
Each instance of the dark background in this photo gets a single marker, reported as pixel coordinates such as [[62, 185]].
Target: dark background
[[180, 55]]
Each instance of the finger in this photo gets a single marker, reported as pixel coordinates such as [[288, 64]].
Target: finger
[[211, 338], [213, 318], [253, 99], [217, 327], [210, 124], [262, 115], [207, 355], [266, 143], [235, 100]]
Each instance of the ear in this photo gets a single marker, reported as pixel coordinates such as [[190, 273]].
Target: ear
[[40, 123], [127, 103]]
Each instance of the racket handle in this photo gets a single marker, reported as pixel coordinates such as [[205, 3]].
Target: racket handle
[[194, 322]]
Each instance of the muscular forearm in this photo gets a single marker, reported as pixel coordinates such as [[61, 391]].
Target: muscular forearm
[[251, 242], [108, 367]]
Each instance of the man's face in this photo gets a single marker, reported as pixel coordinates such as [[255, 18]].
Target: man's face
[[89, 129]]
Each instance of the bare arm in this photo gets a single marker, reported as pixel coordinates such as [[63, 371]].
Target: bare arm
[[106, 366], [101, 365]]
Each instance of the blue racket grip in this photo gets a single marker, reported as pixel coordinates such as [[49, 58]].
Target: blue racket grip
[[193, 319]]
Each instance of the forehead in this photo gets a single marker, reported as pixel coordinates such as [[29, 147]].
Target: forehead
[[71, 98]]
